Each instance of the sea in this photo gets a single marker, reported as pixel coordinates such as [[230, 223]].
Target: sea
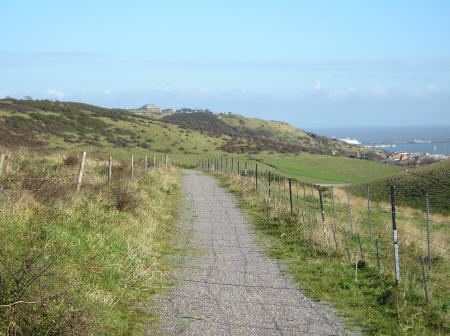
[[426, 139]]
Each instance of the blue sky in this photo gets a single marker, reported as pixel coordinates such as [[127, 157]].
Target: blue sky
[[311, 63]]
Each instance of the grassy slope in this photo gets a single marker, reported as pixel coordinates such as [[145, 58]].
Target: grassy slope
[[89, 260], [261, 135], [411, 187], [327, 169]]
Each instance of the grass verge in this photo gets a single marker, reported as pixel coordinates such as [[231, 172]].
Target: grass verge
[[366, 297], [82, 263]]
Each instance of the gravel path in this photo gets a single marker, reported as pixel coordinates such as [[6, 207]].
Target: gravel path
[[230, 288]]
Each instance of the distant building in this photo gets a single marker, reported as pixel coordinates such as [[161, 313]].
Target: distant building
[[168, 111], [150, 108]]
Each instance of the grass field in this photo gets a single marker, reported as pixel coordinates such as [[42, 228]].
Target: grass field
[[82, 263], [329, 169]]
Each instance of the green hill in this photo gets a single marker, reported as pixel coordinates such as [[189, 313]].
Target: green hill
[[264, 135], [411, 187], [74, 127]]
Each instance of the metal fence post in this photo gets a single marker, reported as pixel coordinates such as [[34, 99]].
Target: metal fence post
[[334, 217], [323, 215], [350, 211], [425, 288], [314, 204], [256, 177], [360, 247], [378, 254], [305, 213], [368, 213], [269, 187], [395, 236], [290, 194], [296, 190], [346, 246]]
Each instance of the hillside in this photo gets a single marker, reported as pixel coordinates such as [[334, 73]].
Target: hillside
[[66, 125], [72, 126], [411, 187], [266, 135]]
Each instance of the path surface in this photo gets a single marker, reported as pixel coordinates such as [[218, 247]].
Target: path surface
[[231, 288]]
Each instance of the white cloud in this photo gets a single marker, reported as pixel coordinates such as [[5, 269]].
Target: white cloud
[[379, 91], [55, 93], [318, 85], [107, 91]]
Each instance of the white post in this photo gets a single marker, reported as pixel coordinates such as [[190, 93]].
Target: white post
[[80, 172], [145, 164], [132, 167]]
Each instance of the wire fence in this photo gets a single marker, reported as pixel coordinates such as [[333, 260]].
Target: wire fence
[[18, 176], [363, 224]]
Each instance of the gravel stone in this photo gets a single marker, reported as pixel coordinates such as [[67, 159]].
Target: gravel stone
[[230, 287]]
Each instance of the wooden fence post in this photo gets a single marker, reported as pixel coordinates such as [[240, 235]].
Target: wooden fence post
[[145, 164], [132, 167], [395, 236], [110, 171], [80, 172], [2, 160]]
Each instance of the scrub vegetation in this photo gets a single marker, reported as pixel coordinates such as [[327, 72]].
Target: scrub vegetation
[[82, 263]]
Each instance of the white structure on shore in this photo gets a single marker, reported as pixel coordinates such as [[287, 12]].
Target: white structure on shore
[[351, 141]]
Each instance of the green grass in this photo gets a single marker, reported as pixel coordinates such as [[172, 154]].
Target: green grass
[[365, 296], [411, 187], [329, 169], [90, 261]]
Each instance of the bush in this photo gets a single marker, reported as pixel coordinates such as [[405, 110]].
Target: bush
[[71, 160], [125, 199]]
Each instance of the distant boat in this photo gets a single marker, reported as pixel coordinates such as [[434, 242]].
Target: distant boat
[[351, 141], [421, 141]]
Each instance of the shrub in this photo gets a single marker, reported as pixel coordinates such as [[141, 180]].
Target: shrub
[[71, 160], [125, 199]]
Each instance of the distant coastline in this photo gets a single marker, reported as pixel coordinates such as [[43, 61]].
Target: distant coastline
[[427, 139]]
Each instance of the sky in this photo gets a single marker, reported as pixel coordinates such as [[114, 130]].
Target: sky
[[311, 63]]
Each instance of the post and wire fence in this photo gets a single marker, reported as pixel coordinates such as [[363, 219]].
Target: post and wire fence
[[79, 171], [370, 224]]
